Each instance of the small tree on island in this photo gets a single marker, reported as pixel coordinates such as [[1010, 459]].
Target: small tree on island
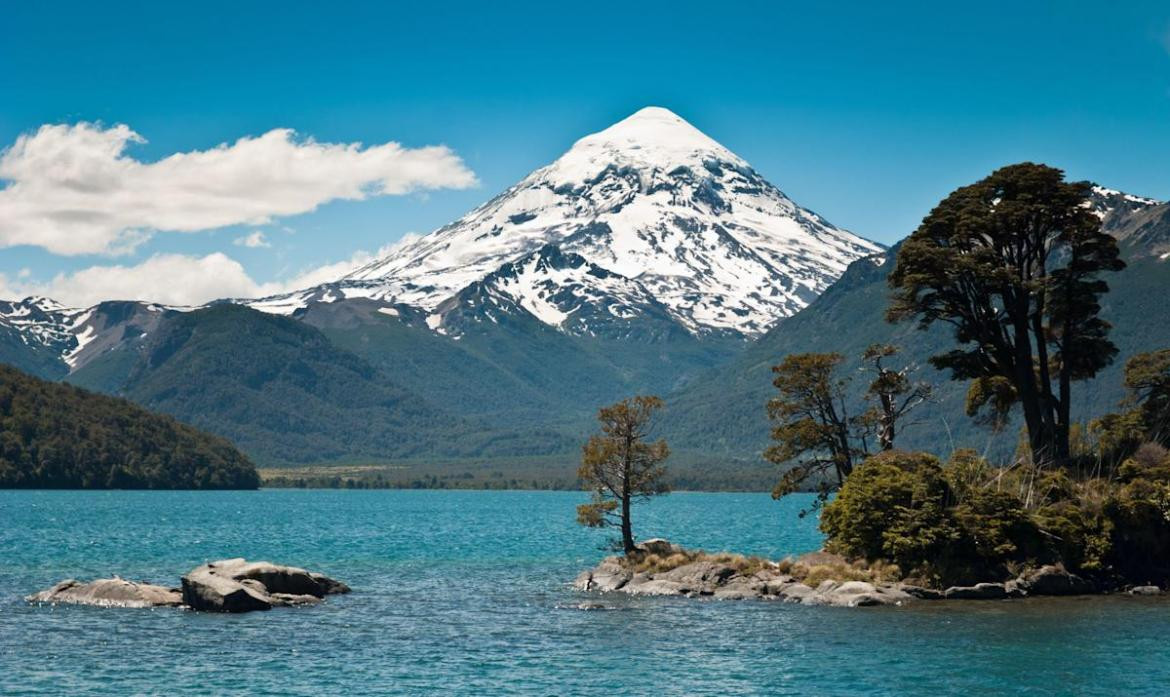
[[811, 423], [812, 426], [1012, 262], [620, 466]]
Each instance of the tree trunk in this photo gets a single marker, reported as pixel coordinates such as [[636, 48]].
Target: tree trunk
[[886, 432], [1063, 449], [1038, 438], [627, 529]]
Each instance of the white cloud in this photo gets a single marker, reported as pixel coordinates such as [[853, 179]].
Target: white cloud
[[72, 189], [326, 273], [173, 279], [253, 240]]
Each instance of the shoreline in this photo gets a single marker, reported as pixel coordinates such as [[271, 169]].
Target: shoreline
[[661, 568]]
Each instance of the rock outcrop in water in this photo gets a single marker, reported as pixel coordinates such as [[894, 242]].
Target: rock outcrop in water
[[667, 569], [723, 581], [237, 585], [229, 585], [109, 592], [661, 568]]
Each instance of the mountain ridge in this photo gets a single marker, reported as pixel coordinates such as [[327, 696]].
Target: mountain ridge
[[650, 199]]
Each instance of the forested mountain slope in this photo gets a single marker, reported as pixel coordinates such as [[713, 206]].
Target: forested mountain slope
[[60, 436]]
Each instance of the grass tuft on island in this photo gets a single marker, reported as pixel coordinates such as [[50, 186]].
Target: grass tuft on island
[[809, 569]]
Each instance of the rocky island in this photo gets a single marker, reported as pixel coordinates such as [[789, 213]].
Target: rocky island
[[659, 567], [228, 585]]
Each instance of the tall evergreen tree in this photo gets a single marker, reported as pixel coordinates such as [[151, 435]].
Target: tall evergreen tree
[[1013, 263], [620, 466]]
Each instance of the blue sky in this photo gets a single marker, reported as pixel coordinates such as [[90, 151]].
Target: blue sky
[[867, 113]]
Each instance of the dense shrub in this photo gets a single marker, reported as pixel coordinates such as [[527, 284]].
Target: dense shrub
[[965, 521], [1140, 516], [893, 507]]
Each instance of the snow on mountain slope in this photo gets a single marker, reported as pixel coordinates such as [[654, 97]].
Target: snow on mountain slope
[[562, 290], [76, 335], [651, 200], [1113, 206], [46, 324]]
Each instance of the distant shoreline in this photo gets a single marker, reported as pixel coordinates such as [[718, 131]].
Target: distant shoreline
[[493, 475], [265, 487]]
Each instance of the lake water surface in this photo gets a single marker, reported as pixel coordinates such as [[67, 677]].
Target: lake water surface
[[468, 593]]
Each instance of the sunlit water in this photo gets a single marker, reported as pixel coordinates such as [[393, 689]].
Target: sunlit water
[[468, 593]]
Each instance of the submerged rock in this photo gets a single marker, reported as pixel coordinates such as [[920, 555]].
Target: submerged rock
[[237, 585], [109, 592]]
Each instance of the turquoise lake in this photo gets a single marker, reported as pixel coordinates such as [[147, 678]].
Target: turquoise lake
[[468, 593]]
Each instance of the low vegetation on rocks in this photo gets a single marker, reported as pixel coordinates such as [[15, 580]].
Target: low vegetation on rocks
[[964, 521]]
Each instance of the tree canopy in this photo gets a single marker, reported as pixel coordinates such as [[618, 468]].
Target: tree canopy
[[621, 466], [815, 431], [1013, 263]]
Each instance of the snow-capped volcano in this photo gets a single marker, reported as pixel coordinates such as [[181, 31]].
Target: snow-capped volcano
[[656, 208]]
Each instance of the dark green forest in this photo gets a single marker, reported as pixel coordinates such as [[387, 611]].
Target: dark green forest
[[55, 436]]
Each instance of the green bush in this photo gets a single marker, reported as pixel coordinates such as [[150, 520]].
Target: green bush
[[942, 524], [996, 531], [893, 507]]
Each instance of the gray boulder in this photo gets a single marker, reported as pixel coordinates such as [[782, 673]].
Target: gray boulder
[[700, 575], [657, 545], [855, 594], [742, 589], [979, 591], [920, 592], [109, 592], [237, 585], [609, 575], [1145, 590], [794, 592], [777, 585], [1053, 580], [330, 586], [655, 587], [208, 591]]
